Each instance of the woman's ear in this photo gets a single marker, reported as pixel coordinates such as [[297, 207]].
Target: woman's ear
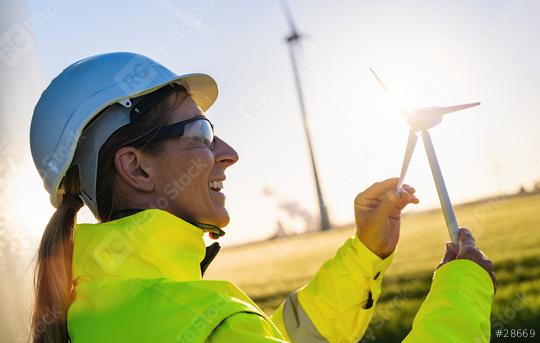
[[135, 168]]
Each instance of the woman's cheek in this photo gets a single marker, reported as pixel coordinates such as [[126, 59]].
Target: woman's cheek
[[171, 191], [198, 172], [196, 166]]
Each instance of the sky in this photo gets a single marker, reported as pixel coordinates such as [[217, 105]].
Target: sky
[[427, 52]]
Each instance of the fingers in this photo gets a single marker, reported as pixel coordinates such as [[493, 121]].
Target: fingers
[[469, 251], [451, 253], [465, 239], [467, 246], [377, 189], [408, 189], [407, 198], [382, 197], [364, 203], [371, 196]]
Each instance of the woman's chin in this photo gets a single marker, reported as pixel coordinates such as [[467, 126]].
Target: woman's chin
[[222, 218], [218, 217], [219, 212]]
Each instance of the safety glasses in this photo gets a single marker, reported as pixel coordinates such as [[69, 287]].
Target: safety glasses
[[199, 128]]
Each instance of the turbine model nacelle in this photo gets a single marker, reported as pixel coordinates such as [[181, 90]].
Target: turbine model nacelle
[[428, 117], [424, 118]]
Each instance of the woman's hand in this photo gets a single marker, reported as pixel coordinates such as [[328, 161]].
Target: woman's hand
[[467, 249], [377, 213]]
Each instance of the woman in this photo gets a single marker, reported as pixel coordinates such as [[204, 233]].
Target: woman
[[129, 138]]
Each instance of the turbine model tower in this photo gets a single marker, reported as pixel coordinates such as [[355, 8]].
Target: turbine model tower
[[420, 121], [293, 41]]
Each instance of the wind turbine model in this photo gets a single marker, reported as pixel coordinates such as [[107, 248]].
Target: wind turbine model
[[421, 120]]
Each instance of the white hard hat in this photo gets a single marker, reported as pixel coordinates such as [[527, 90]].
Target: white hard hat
[[81, 92]]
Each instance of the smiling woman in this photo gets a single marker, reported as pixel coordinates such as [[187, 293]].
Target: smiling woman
[[120, 150], [129, 138]]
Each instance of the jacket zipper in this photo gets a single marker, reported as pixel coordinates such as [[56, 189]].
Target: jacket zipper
[[211, 253]]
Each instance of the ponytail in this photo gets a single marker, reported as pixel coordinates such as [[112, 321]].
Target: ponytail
[[52, 280]]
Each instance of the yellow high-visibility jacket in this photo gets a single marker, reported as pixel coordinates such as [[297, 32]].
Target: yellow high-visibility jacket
[[138, 279]]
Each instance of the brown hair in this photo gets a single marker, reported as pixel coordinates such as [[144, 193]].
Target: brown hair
[[52, 280]]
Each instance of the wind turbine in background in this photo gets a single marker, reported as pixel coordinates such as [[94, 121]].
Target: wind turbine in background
[[293, 41], [421, 120]]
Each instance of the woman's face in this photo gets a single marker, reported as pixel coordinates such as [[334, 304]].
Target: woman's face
[[179, 179], [187, 170]]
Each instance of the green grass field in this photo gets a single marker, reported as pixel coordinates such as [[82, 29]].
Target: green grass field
[[507, 229]]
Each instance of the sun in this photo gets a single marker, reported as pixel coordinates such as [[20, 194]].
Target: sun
[[26, 207]]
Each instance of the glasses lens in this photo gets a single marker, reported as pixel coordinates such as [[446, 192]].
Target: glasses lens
[[200, 129]]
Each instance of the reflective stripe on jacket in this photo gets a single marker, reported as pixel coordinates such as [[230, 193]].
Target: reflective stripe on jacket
[[138, 279]]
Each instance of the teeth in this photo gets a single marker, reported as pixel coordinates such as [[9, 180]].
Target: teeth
[[215, 185]]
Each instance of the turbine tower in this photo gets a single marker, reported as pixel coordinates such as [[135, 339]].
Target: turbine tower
[[293, 42]]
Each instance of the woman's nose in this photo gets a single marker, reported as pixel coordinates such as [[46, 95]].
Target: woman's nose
[[225, 154]]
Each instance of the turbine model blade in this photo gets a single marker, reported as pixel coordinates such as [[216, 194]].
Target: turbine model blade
[[450, 109], [444, 198], [387, 90], [411, 143], [381, 82]]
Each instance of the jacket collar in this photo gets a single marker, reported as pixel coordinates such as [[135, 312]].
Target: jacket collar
[[149, 244]]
